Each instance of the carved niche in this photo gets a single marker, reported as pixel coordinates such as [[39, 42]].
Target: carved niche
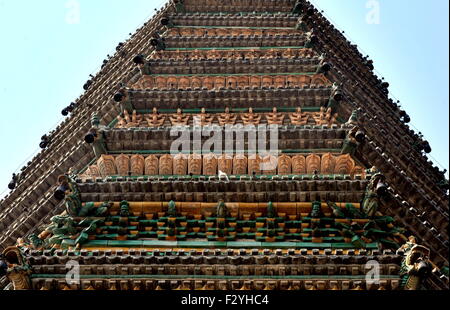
[[358, 170], [266, 82], [208, 83], [251, 118], [152, 165], [210, 164], [195, 164], [172, 83], [280, 81], [312, 163], [255, 81], [328, 164], [123, 165], [284, 165], [298, 164], [137, 163], [344, 164], [227, 118], [184, 83], [274, 118], [179, 119], [166, 165], [93, 171], [161, 82], [180, 164], [155, 119], [242, 82], [239, 164], [292, 81], [269, 165], [299, 118], [225, 163], [203, 119], [219, 82], [196, 83], [254, 164], [106, 165]]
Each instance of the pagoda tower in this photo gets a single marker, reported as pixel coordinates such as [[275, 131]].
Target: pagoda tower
[[347, 191]]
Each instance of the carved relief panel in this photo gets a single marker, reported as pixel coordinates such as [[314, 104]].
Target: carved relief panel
[[254, 165], [137, 163], [195, 164], [312, 163], [298, 164], [152, 165], [180, 164], [239, 164], [327, 164], [344, 164], [107, 165], [225, 163], [210, 164], [123, 165], [269, 165], [166, 165], [284, 165]]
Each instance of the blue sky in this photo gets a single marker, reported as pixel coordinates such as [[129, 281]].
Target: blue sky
[[48, 53]]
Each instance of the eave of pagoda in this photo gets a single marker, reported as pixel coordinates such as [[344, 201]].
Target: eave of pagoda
[[307, 97], [422, 217], [344, 54], [230, 81], [39, 181], [211, 266]]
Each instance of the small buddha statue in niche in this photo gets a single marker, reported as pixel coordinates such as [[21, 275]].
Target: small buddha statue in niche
[[155, 119], [325, 117], [179, 119], [299, 118], [227, 118], [128, 121], [251, 118], [275, 118], [203, 119]]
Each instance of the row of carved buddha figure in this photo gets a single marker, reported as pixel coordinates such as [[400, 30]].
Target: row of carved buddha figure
[[234, 32], [324, 117], [211, 164], [213, 54], [228, 82]]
